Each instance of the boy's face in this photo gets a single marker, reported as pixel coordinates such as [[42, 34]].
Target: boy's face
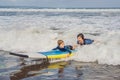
[[62, 45]]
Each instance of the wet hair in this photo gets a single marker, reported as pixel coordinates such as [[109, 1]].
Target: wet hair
[[80, 35], [60, 42]]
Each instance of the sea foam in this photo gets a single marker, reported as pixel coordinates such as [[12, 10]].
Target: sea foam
[[40, 32]]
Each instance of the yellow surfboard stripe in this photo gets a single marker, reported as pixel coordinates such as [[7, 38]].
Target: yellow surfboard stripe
[[60, 56]]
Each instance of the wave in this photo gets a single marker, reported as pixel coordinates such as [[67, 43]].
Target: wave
[[57, 10], [40, 33], [105, 50]]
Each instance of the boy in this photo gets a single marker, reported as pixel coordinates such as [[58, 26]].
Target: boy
[[61, 46]]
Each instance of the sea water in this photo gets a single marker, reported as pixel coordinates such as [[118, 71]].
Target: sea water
[[33, 30]]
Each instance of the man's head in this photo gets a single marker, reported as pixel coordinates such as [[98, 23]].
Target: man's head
[[80, 38]]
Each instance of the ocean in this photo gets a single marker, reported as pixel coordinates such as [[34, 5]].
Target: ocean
[[38, 29]]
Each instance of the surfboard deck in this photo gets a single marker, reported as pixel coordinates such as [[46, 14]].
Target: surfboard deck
[[48, 54]]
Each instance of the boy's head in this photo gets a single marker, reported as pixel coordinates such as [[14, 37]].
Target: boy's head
[[61, 43]]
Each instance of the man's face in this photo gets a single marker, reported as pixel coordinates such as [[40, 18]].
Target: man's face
[[80, 39]]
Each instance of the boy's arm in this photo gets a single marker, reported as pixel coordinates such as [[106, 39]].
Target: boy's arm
[[70, 47], [68, 50], [55, 48]]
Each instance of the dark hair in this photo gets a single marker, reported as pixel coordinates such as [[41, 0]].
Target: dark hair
[[80, 35]]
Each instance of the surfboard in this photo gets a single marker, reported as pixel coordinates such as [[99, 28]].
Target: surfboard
[[49, 54]]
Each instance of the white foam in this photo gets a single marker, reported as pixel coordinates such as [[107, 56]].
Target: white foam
[[36, 33], [57, 10], [105, 52], [26, 40]]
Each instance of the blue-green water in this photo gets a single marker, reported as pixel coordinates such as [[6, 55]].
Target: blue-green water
[[38, 29], [15, 68]]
